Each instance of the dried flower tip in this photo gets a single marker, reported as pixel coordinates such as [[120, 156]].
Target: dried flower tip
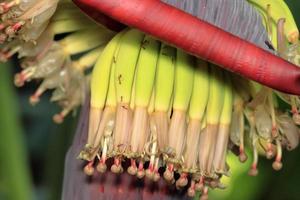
[[132, 169], [59, 118], [253, 170], [242, 156], [182, 181], [204, 195], [101, 167], [34, 99], [141, 172], [269, 151], [156, 177], [191, 191], [200, 185], [169, 173], [116, 167], [89, 169], [19, 79], [277, 164], [153, 171], [149, 173]]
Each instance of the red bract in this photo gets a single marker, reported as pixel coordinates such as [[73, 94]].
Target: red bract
[[201, 39], [101, 18]]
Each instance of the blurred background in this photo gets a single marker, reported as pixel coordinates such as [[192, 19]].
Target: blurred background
[[32, 150]]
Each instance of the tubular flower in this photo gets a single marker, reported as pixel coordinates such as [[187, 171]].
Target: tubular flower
[[60, 63], [155, 111]]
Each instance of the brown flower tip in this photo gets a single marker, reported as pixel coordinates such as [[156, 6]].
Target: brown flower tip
[[132, 170], [89, 169], [58, 118], [182, 181], [204, 195], [243, 157], [169, 175], [200, 185], [191, 191], [19, 80], [149, 174], [253, 171], [156, 177], [34, 99], [269, 151], [277, 165], [101, 167], [117, 169], [141, 173], [269, 154]]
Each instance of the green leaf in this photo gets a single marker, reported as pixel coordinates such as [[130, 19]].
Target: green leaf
[[14, 169]]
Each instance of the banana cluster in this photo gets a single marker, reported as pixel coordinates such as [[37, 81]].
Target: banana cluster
[[167, 113], [56, 43]]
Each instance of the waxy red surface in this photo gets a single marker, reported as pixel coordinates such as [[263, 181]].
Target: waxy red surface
[[198, 38]]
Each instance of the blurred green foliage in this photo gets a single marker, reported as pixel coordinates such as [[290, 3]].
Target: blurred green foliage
[[15, 180], [294, 5]]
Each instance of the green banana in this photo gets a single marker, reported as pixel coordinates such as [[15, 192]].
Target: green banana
[[85, 40], [124, 76], [99, 88], [213, 113], [197, 109], [219, 162], [183, 86], [145, 77]]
